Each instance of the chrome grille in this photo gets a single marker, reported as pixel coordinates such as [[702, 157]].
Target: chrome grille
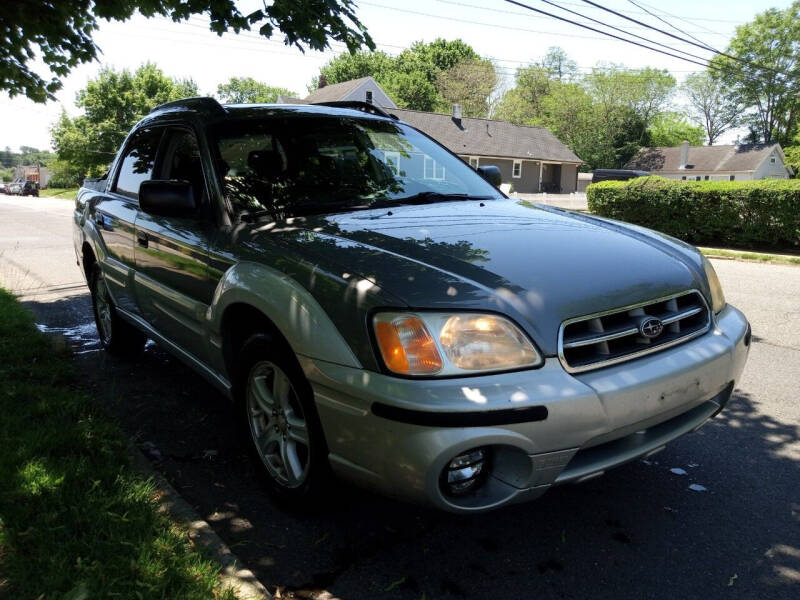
[[613, 336]]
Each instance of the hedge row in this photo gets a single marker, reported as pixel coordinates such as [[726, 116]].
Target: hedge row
[[745, 214]]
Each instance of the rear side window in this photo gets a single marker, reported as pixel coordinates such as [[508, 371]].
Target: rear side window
[[137, 165]]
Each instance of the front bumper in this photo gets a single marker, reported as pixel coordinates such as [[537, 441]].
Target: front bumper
[[544, 426]]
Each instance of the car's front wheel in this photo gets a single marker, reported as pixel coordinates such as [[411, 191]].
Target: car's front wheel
[[283, 428], [116, 335]]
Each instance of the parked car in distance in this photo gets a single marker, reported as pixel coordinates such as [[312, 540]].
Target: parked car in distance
[[3, 187], [616, 174], [23, 188], [377, 310]]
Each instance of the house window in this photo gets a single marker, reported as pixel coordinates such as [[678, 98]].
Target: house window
[[433, 170], [392, 160], [731, 178], [772, 160], [473, 162], [706, 178], [516, 171], [697, 178], [684, 177], [369, 96]]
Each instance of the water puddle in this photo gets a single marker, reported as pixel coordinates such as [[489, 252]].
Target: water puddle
[[82, 339]]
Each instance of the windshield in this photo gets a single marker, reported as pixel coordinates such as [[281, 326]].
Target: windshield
[[313, 164]]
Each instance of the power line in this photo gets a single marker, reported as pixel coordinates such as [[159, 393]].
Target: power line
[[518, 13], [570, 21], [673, 26], [623, 30], [684, 40], [714, 20]]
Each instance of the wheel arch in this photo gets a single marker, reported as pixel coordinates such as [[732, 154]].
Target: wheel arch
[[252, 296]]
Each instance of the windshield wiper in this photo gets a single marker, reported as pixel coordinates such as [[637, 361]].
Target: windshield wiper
[[427, 198]]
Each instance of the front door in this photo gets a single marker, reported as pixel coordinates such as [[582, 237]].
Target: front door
[[115, 213], [173, 287]]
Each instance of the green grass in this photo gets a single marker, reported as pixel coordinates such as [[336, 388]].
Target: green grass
[[752, 256], [76, 521], [65, 193]]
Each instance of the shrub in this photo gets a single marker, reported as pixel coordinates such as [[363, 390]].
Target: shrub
[[763, 213], [65, 175]]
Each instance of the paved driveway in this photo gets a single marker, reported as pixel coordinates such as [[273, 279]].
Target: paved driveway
[[638, 532]]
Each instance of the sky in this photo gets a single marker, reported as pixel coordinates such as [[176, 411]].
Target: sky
[[510, 35]]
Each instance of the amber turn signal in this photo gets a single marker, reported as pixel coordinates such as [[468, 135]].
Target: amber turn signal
[[406, 345]]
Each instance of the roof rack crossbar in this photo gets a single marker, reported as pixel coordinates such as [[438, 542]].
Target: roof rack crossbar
[[358, 105], [205, 103]]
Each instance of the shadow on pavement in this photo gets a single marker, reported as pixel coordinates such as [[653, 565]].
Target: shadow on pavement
[[638, 532]]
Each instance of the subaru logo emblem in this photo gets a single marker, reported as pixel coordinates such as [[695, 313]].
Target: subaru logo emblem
[[650, 327]]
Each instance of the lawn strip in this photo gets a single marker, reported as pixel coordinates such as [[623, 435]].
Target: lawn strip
[[76, 520]]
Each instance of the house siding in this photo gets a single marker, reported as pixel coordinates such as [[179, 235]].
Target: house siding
[[527, 184], [569, 178], [379, 98], [768, 170]]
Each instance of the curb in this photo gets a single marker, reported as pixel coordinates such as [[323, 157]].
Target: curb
[[232, 574]]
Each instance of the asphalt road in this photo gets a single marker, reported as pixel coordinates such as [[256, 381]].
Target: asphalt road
[[638, 532]]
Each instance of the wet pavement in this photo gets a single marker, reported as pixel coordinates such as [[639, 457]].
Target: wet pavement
[[716, 514]]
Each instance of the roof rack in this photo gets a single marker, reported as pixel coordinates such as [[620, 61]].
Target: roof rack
[[199, 103], [358, 105]]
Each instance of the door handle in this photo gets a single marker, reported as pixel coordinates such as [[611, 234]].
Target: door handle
[[141, 239]]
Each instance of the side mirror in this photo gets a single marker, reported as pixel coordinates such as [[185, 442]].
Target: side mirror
[[167, 198], [491, 174]]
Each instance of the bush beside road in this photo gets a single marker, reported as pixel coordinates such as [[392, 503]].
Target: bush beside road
[[76, 521], [763, 214]]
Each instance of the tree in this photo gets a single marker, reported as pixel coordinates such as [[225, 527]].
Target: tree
[[346, 67], [469, 83], [712, 106], [765, 75], [59, 32], [792, 154], [246, 90], [410, 79], [671, 129], [559, 65], [112, 103]]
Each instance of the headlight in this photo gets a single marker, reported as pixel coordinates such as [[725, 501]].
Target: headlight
[[451, 344], [717, 296]]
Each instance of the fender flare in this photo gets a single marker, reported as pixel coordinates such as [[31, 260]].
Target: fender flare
[[291, 308]]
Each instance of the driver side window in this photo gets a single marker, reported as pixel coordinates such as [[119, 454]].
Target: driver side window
[[139, 161], [181, 161]]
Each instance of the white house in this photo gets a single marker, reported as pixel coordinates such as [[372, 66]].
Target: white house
[[715, 163]]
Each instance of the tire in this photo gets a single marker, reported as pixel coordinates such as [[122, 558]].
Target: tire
[[116, 335], [280, 423]]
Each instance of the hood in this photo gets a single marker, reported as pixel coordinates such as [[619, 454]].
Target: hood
[[537, 265]]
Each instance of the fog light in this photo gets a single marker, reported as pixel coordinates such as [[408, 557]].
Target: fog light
[[466, 472]]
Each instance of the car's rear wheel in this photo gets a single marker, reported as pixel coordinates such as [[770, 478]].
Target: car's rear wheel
[[283, 430], [116, 335]]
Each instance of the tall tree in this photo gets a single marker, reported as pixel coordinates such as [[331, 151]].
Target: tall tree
[[246, 90], [112, 103], [559, 65], [712, 106], [672, 128], [766, 76], [62, 31], [410, 78], [469, 83]]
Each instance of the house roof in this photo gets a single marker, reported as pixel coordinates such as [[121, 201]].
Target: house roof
[[702, 158], [335, 91], [487, 137]]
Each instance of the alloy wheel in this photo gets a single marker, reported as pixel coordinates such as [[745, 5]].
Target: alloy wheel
[[102, 302], [278, 425]]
